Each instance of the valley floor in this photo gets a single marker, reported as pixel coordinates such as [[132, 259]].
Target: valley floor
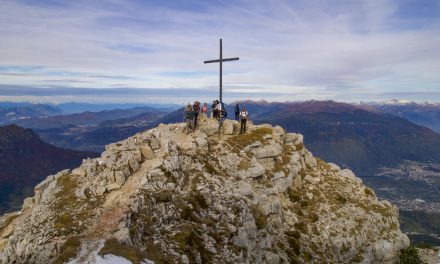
[[414, 189]]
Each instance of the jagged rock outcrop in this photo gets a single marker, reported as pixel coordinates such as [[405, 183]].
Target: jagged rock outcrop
[[169, 197]]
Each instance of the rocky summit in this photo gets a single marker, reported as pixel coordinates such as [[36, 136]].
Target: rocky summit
[[165, 196]]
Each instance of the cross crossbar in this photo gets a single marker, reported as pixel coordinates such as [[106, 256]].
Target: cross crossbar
[[221, 60], [230, 59]]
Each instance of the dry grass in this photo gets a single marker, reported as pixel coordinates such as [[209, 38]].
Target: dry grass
[[68, 250], [244, 165], [164, 196], [238, 142], [8, 221], [113, 247], [191, 243], [260, 218]]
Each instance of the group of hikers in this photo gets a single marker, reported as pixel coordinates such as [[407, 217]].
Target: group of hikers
[[218, 111]]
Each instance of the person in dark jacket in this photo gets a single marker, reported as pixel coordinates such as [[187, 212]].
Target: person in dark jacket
[[189, 118], [196, 108], [213, 109], [237, 112]]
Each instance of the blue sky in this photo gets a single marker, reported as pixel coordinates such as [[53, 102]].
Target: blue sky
[[153, 51]]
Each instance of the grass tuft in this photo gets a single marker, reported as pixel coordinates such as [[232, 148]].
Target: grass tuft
[[238, 142], [113, 247], [260, 218], [68, 250]]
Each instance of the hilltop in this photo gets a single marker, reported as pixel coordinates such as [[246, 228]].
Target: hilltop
[[169, 197]]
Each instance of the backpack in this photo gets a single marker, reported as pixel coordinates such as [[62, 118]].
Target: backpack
[[244, 117]]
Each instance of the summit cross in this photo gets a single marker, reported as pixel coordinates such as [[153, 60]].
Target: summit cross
[[221, 60]]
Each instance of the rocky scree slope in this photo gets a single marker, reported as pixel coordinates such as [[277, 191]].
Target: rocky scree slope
[[170, 197]]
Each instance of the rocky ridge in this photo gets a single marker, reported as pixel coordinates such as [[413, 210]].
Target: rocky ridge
[[169, 197]]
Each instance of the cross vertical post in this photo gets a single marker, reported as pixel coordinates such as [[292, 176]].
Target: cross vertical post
[[221, 71], [221, 60]]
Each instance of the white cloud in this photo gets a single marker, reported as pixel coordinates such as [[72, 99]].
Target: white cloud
[[307, 49]]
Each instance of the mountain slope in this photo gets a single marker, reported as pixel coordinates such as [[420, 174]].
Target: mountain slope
[[173, 197], [25, 160]]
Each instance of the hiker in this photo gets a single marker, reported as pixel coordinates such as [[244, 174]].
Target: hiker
[[243, 119], [221, 114], [189, 118], [237, 111], [196, 109], [205, 108], [213, 109]]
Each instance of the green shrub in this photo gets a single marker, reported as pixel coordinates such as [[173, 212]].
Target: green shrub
[[409, 256]]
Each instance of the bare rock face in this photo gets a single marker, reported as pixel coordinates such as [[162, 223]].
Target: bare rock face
[[169, 197]]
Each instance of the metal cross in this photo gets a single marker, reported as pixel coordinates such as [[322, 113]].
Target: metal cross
[[221, 60]]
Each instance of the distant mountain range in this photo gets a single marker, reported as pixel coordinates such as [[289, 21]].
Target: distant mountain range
[[26, 160], [82, 119], [12, 113], [78, 107], [422, 114]]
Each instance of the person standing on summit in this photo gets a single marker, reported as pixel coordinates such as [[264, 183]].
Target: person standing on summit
[[189, 118], [237, 112], [213, 109], [221, 114], [205, 109], [196, 109], [243, 119]]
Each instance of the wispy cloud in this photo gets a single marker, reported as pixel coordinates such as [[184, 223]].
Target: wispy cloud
[[351, 50]]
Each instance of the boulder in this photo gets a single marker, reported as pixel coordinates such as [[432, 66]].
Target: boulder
[[348, 174], [268, 151], [228, 128]]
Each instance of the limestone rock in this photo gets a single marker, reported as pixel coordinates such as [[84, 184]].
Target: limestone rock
[[348, 174], [205, 197]]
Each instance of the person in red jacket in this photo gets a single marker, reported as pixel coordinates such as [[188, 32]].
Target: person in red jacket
[[205, 109]]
